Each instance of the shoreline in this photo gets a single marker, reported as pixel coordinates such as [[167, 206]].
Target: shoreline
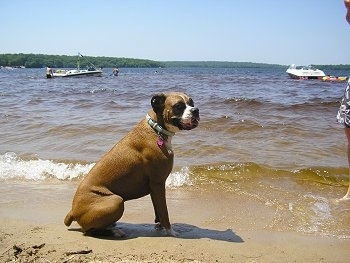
[[32, 229], [22, 241]]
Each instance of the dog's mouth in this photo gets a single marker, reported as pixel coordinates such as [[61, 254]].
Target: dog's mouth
[[191, 124]]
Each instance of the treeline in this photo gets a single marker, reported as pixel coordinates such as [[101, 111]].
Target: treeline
[[219, 64], [333, 67], [226, 64], [57, 61], [62, 61]]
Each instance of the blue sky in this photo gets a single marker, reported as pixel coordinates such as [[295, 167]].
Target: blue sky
[[272, 31]]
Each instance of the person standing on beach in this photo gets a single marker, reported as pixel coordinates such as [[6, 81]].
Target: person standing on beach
[[343, 115]]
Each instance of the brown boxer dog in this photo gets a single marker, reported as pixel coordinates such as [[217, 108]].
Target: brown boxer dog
[[136, 166]]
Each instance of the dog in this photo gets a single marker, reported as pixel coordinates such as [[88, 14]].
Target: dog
[[136, 166]]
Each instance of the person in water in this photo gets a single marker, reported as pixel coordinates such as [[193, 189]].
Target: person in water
[[115, 71], [343, 115], [49, 72]]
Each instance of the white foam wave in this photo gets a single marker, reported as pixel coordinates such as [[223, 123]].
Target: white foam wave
[[180, 178], [13, 167], [316, 216]]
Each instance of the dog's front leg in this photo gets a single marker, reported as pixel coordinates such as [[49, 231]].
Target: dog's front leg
[[160, 209]]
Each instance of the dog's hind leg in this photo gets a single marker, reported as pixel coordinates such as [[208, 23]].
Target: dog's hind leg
[[102, 214]]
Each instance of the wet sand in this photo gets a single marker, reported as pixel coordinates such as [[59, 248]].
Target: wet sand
[[212, 226]]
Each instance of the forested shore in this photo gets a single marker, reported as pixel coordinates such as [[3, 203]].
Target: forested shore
[[63, 61]]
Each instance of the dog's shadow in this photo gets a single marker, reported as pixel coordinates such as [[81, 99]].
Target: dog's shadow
[[184, 231]]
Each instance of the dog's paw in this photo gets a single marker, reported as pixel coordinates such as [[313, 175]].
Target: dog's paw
[[158, 227], [171, 232], [118, 233]]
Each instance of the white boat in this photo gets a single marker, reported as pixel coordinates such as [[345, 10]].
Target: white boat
[[90, 71], [303, 72], [76, 73]]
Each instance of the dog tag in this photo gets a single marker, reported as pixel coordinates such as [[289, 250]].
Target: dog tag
[[160, 142]]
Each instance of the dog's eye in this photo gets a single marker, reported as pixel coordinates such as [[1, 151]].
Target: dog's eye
[[179, 108], [190, 102]]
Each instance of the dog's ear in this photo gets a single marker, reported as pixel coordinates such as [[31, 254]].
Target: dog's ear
[[157, 102]]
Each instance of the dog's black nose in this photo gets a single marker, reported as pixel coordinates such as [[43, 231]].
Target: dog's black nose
[[195, 112]]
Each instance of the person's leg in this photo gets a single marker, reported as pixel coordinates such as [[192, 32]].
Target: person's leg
[[347, 133], [347, 5]]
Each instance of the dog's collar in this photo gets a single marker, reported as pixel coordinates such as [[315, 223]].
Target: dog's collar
[[157, 127]]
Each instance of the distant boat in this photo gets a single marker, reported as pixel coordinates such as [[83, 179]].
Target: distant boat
[[11, 68], [7, 67], [90, 71], [76, 73], [303, 72]]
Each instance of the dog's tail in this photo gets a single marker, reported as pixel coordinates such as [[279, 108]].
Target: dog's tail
[[69, 219]]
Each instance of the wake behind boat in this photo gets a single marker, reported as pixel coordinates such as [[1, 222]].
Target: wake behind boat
[[303, 72], [92, 70]]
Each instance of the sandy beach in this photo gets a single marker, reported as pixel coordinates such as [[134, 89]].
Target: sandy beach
[[32, 231]]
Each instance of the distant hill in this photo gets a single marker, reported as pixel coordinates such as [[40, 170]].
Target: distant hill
[[220, 64], [333, 67], [227, 64], [58, 61], [62, 61]]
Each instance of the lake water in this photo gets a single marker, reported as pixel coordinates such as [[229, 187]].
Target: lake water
[[262, 136]]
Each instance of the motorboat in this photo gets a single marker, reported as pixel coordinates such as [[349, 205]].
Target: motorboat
[[304, 72], [76, 73], [90, 71]]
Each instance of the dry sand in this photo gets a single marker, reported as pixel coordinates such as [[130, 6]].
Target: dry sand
[[31, 230]]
